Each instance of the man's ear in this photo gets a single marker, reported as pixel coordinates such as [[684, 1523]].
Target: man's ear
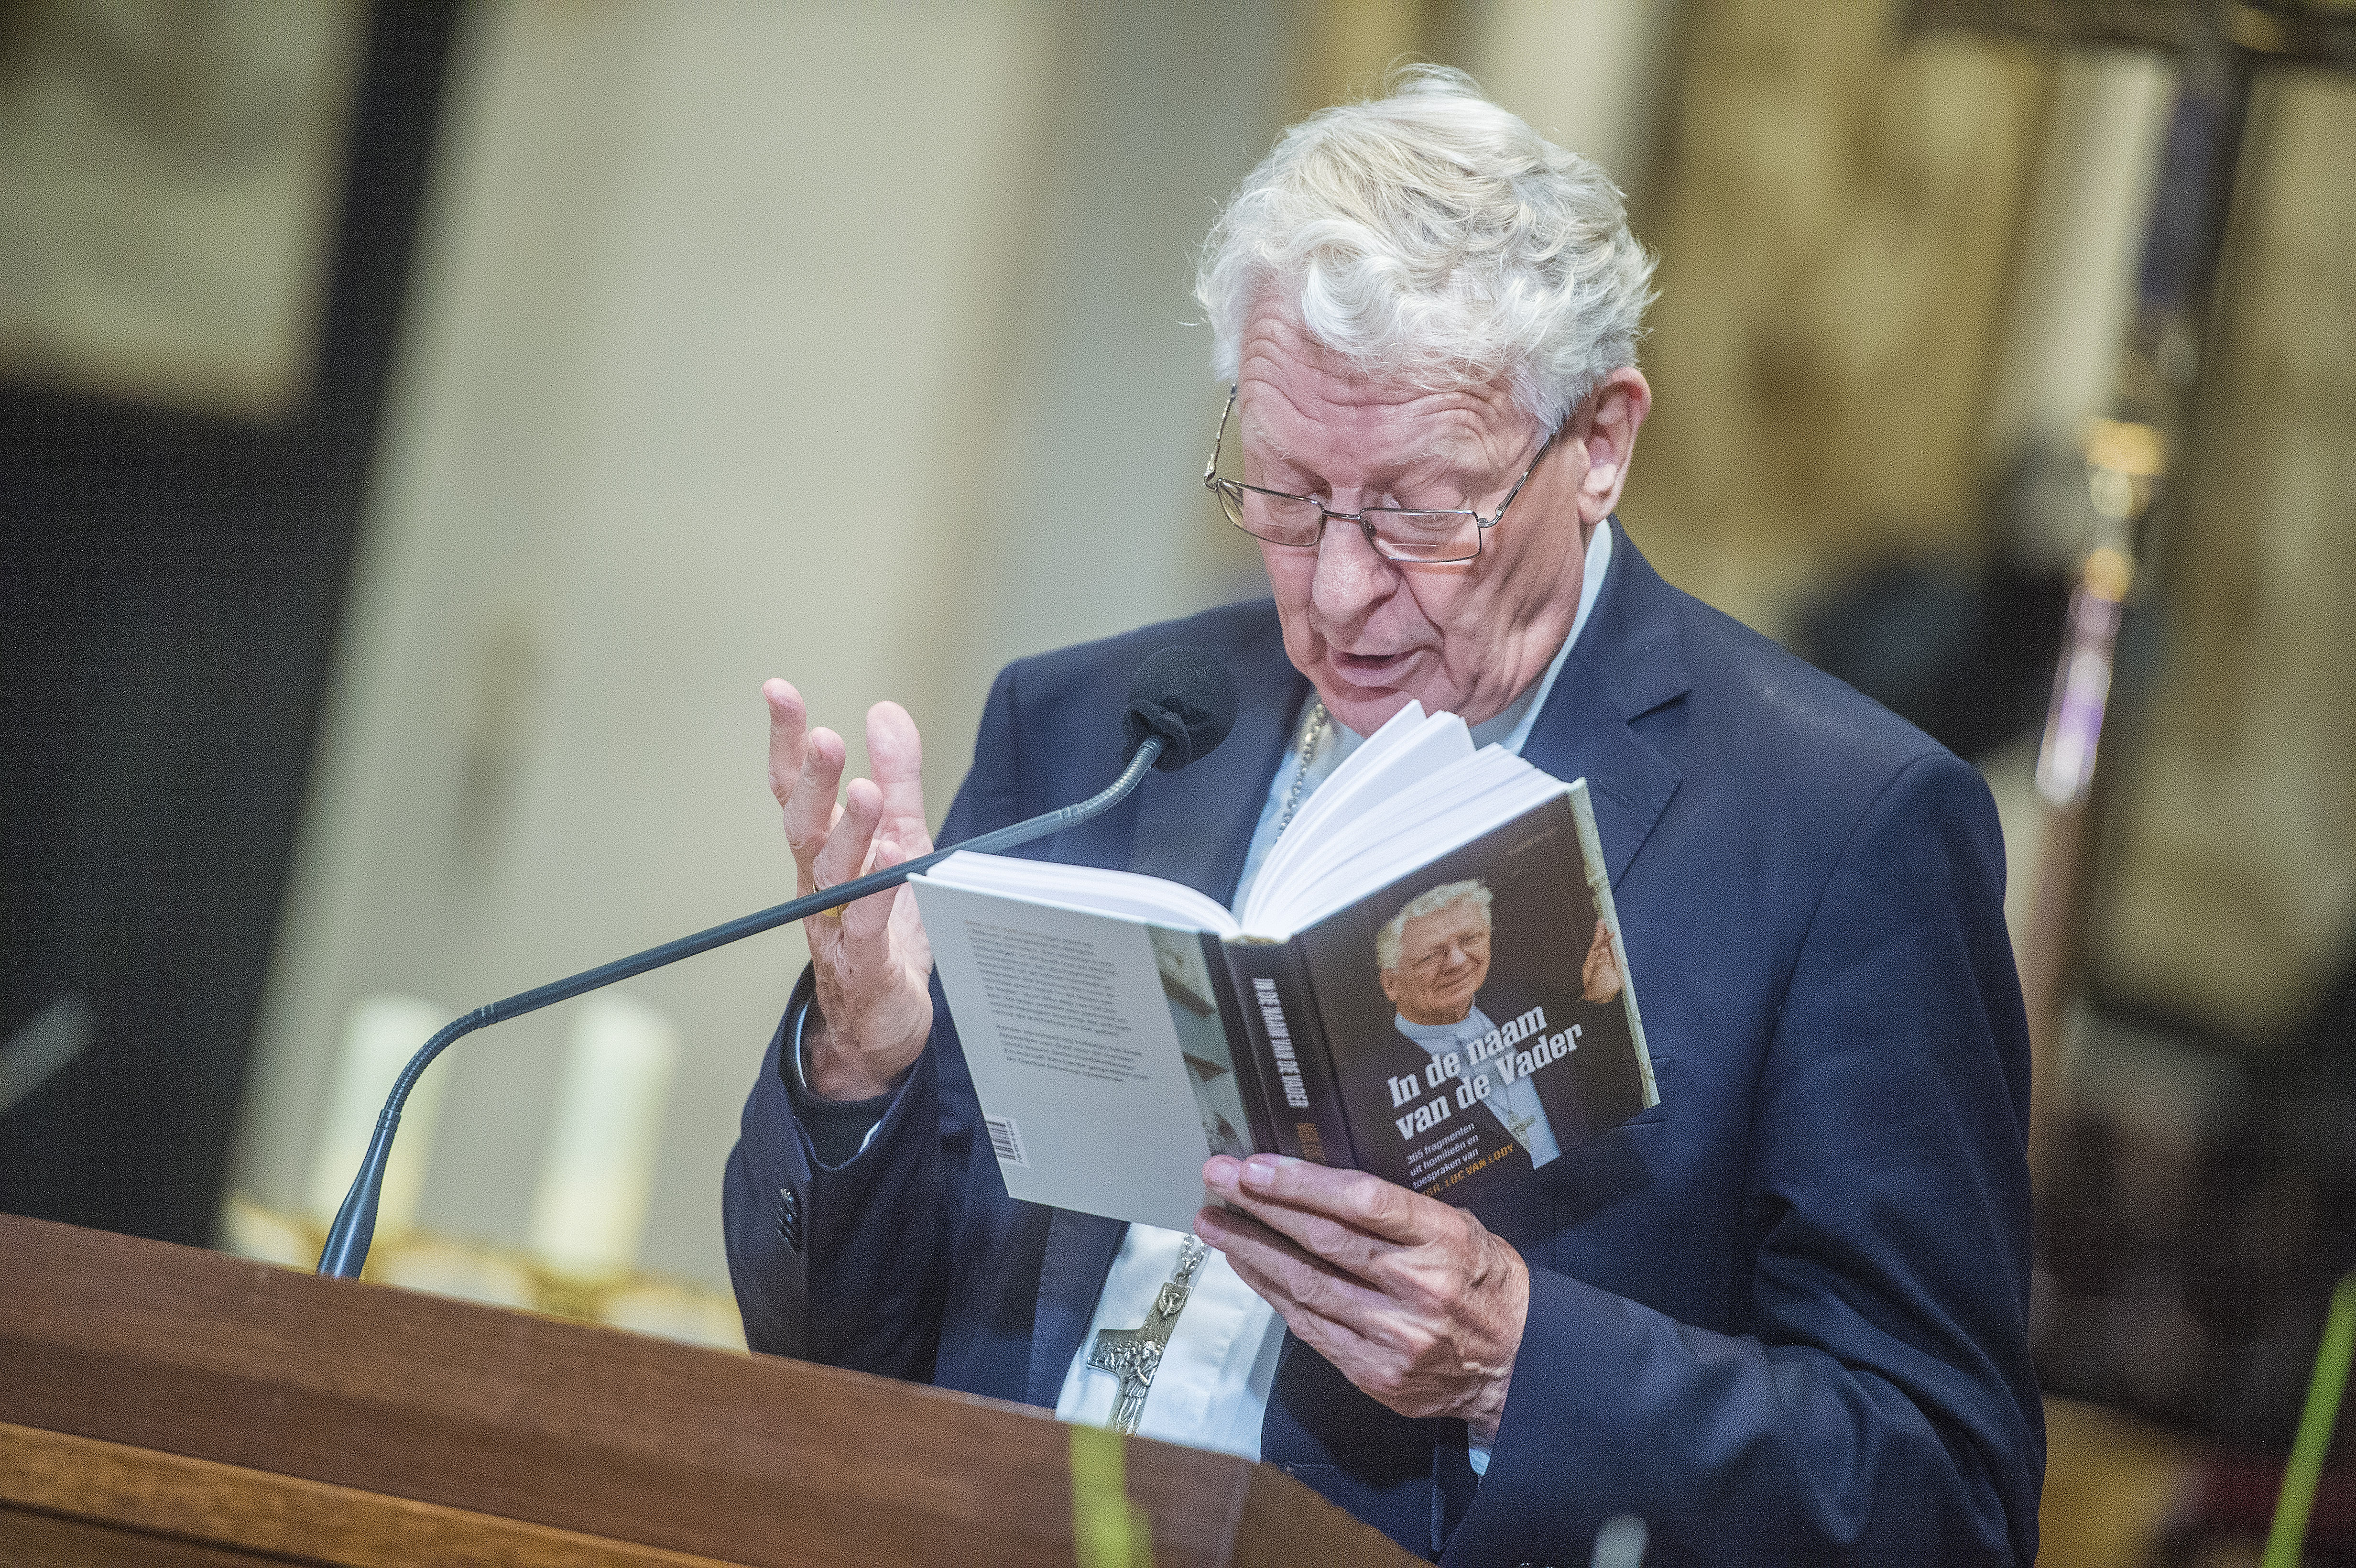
[[1605, 427], [1390, 984]]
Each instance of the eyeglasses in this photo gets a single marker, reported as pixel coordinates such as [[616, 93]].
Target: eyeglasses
[[1397, 533], [1470, 946]]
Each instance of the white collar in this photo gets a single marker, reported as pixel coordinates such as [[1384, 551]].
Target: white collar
[[1436, 1037]]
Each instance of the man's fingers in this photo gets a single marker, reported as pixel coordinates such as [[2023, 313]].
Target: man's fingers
[[864, 920], [1315, 1234], [1295, 1195], [1299, 1316], [896, 754], [844, 854], [1253, 1248], [1365, 1357], [789, 719], [896, 759], [810, 808]]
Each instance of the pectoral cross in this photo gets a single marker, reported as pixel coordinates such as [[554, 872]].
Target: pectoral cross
[[1134, 1355]]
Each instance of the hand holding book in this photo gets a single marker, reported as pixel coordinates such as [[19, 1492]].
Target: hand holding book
[[1413, 1300]]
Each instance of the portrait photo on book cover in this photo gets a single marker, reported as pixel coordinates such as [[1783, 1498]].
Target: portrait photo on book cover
[[1488, 1034]]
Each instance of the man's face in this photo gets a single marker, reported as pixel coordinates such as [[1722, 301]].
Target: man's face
[[1443, 959], [1372, 633]]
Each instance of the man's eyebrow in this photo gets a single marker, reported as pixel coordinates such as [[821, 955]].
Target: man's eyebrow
[[1441, 460], [1254, 429], [1448, 464]]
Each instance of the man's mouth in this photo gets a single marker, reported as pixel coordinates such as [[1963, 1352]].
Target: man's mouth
[[1369, 669]]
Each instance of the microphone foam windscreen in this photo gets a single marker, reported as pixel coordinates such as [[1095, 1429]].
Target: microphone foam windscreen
[[1186, 696]]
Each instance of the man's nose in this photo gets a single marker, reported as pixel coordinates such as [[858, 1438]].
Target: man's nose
[[1352, 577]]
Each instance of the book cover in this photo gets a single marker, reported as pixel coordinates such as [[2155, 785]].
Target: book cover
[[1477, 1013], [1101, 1089]]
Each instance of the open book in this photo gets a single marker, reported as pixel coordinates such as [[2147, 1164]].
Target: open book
[[1425, 981]]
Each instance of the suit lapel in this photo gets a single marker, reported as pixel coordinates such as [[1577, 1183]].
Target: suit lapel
[[1628, 662], [1080, 1249]]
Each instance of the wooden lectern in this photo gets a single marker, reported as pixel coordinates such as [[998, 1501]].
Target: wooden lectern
[[161, 1405]]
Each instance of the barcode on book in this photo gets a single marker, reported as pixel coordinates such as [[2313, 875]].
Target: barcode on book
[[1005, 1141]]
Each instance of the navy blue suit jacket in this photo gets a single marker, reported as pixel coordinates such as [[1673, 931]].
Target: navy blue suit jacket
[[1781, 1316]]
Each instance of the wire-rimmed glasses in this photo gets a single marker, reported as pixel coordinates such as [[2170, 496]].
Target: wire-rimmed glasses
[[1431, 538]]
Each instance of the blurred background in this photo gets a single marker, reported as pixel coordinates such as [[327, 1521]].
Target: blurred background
[[422, 426]]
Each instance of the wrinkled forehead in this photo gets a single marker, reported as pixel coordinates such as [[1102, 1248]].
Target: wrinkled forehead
[[1295, 392]]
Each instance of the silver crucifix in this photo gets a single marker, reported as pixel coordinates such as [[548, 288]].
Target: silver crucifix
[[1134, 1355]]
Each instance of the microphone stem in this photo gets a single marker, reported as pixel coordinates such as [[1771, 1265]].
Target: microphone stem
[[354, 1228]]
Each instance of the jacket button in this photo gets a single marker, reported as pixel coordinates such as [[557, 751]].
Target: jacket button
[[789, 1219]]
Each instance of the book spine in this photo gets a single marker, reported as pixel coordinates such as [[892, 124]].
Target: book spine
[[1252, 1071], [1319, 1070], [1288, 1041]]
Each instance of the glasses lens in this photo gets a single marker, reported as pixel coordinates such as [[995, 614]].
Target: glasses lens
[[1280, 519], [1425, 536]]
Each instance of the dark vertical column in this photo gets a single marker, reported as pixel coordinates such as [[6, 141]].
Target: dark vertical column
[[170, 589]]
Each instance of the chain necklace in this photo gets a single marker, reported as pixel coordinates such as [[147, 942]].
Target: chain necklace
[[1312, 735]]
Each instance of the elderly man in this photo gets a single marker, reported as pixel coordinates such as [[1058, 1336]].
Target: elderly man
[[1781, 1317]]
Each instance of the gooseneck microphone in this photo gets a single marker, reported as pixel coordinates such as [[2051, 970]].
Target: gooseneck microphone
[[1182, 703]]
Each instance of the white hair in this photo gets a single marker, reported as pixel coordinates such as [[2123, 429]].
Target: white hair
[[1447, 895], [1434, 236]]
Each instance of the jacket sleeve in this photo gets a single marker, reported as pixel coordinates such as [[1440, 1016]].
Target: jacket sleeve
[[1880, 1404], [848, 1264]]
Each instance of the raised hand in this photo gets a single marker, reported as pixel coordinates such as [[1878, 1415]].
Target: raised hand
[[1414, 1301], [1599, 976], [871, 959]]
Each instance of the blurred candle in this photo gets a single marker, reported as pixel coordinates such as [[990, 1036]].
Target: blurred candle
[[381, 1033], [600, 1167]]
